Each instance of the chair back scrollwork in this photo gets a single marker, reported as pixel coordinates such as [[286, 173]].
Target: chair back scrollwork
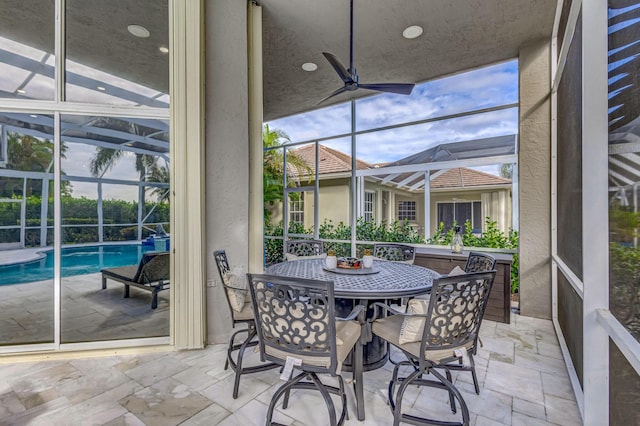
[[480, 262], [394, 252], [305, 247], [294, 317], [456, 309]]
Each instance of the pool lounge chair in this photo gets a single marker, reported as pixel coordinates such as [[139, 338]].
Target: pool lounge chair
[[152, 274]]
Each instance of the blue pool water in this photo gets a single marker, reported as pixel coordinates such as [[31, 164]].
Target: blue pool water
[[75, 261]]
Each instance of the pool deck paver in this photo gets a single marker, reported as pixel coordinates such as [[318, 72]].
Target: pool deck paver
[[10, 257]]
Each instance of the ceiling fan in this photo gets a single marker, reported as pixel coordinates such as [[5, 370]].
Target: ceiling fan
[[350, 77]]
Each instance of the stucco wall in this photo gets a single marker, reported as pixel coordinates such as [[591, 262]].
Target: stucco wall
[[535, 180], [227, 151]]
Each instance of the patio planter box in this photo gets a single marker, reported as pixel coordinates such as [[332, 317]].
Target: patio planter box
[[443, 261]]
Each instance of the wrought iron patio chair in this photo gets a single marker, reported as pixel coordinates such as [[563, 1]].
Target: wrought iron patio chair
[[296, 321], [306, 249], [480, 262], [436, 334], [394, 252], [237, 296]]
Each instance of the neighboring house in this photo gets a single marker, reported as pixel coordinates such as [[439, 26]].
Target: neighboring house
[[457, 194]]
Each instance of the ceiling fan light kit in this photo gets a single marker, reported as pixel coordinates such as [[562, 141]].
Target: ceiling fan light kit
[[350, 78]]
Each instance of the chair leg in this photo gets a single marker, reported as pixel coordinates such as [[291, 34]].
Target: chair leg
[[236, 383], [397, 407], [456, 393], [154, 298], [358, 385], [452, 401], [473, 374], [328, 401], [284, 389], [126, 291]]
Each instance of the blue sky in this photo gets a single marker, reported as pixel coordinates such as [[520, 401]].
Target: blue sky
[[481, 88]]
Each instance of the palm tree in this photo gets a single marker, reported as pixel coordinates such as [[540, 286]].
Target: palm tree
[[159, 174], [273, 172], [27, 153]]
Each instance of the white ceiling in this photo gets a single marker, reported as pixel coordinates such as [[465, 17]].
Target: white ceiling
[[458, 35]]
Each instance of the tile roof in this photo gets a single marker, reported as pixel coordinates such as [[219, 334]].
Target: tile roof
[[331, 160], [462, 177], [334, 161]]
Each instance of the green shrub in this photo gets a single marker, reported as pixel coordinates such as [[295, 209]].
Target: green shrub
[[81, 211], [365, 231]]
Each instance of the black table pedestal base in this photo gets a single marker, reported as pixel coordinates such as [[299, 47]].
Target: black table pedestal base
[[375, 353]]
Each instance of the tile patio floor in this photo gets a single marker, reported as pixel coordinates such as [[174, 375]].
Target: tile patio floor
[[520, 368]]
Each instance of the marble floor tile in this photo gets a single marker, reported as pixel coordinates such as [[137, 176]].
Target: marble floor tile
[[507, 378], [520, 369], [166, 403]]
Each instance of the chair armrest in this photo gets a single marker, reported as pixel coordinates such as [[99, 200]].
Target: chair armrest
[[358, 312], [378, 307]]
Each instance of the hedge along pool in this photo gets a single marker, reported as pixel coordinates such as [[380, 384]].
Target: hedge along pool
[[75, 261]]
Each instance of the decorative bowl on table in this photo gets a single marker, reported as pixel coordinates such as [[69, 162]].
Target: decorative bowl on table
[[349, 263]]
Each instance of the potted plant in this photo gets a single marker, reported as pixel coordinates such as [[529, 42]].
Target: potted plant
[[367, 258], [331, 261]]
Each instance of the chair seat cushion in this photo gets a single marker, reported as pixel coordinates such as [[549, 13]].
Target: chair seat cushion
[[126, 273], [346, 331], [389, 329], [246, 313]]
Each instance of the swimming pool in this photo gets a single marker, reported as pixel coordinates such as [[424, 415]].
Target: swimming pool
[[75, 261]]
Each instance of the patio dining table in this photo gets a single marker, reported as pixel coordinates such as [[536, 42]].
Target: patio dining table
[[384, 280]]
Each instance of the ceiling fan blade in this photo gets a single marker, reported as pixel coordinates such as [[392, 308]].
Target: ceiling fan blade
[[340, 69], [336, 92], [399, 88]]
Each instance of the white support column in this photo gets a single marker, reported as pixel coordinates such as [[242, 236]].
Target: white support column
[[100, 215], [427, 204], [44, 211], [140, 211], [188, 299], [23, 212], [595, 211], [256, 155]]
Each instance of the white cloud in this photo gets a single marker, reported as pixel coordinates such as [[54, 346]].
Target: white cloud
[[482, 88]]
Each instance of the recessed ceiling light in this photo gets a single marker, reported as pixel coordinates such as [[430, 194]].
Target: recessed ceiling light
[[138, 31], [33, 116], [22, 92], [309, 66], [100, 88], [163, 49], [413, 31]]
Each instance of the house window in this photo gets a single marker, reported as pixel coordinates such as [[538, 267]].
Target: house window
[[461, 213], [369, 198], [407, 210], [296, 209]]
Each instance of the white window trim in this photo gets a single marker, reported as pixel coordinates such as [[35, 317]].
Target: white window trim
[[371, 204], [415, 209], [460, 202]]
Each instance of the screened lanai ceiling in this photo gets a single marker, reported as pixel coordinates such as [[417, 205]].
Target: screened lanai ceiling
[[105, 64], [458, 35]]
